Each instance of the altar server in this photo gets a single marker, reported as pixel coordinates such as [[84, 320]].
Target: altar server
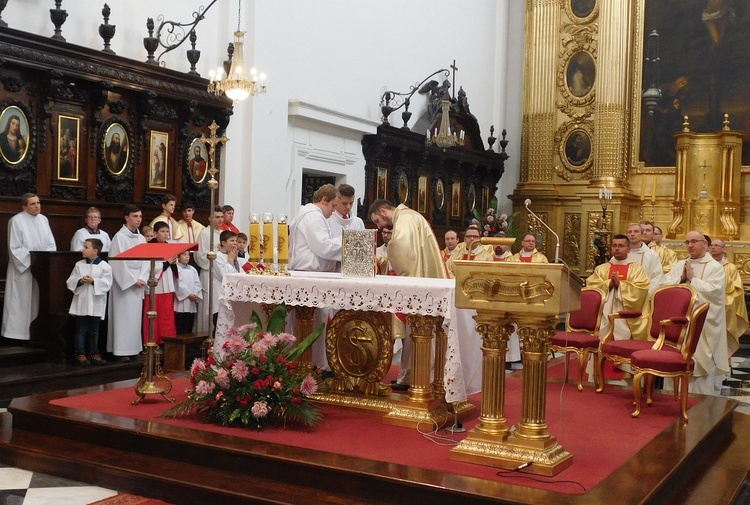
[[91, 229], [188, 292], [341, 217], [313, 247], [165, 273], [201, 259]]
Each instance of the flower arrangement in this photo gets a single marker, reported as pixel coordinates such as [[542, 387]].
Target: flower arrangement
[[254, 382], [491, 223]]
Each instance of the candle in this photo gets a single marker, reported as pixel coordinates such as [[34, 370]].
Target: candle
[[653, 192], [643, 188], [268, 238], [282, 239], [601, 192], [254, 239]]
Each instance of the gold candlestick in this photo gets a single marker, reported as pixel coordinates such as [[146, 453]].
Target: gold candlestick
[[282, 243]]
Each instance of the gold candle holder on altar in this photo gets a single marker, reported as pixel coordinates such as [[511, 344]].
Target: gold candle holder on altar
[[267, 260], [282, 243], [255, 243]]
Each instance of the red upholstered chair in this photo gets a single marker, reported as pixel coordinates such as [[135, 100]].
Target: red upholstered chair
[[667, 303], [581, 335], [663, 363]]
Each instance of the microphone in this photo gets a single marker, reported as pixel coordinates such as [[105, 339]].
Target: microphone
[[557, 247]]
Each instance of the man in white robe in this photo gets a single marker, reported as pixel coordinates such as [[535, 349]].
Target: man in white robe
[[313, 246], [201, 259], [645, 257], [168, 203], [342, 217], [227, 262], [27, 231], [707, 276], [90, 229], [126, 296]]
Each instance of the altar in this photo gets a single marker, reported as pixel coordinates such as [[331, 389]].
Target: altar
[[240, 295]]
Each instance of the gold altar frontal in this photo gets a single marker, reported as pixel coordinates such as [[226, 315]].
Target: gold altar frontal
[[532, 295], [359, 348]]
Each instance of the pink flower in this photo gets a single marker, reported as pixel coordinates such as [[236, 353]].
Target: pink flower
[[286, 337], [309, 385], [235, 345], [198, 366], [204, 388], [246, 327], [222, 378], [240, 371], [260, 409], [276, 386], [260, 348]]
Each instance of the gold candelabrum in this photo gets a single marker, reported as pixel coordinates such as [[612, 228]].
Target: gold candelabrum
[[261, 252], [211, 141], [532, 295]]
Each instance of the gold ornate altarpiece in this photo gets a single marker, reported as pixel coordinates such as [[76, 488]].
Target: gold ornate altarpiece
[[581, 123]]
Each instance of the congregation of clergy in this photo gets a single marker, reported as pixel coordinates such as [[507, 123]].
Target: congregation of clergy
[[639, 266]]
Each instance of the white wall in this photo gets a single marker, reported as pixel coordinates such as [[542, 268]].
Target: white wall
[[336, 55]]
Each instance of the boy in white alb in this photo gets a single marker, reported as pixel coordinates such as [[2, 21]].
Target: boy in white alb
[[186, 294], [90, 282], [166, 273]]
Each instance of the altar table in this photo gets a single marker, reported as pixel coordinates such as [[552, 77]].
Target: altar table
[[406, 295]]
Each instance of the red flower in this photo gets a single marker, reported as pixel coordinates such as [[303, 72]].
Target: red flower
[[230, 363], [295, 391], [296, 399], [255, 370], [263, 359], [281, 359]]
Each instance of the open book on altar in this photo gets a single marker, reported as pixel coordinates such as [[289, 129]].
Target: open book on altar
[[154, 251]]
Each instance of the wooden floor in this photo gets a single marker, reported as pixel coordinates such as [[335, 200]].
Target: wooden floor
[[705, 461]]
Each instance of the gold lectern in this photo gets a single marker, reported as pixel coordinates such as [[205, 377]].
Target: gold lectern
[[531, 295]]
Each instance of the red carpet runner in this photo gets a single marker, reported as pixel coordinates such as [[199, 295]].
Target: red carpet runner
[[596, 428]]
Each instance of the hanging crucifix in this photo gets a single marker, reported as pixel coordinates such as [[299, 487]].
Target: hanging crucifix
[[455, 69]]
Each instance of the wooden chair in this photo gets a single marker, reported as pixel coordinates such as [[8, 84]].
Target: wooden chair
[[667, 304], [661, 362], [581, 335]]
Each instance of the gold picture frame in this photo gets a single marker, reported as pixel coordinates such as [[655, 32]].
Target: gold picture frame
[[440, 194], [456, 199], [158, 160], [14, 135], [116, 148], [197, 161], [381, 186], [68, 148], [422, 194]]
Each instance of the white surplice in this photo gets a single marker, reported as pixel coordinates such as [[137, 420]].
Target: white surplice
[[90, 299], [188, 283], [312, 246], [339, 223], [650, 262], [201, 259], [124, 331], [81, 234], [222, 266], [26, 233]]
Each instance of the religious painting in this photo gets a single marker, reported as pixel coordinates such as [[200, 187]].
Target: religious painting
[[582, 8], [485, 198], [116, 148], [577, 147], [580, 73], [456, 199], [381, 185], [14, 137], [472, 197], [197, 157], [68, 135], [422, 194], [157, 172], [403, 188], [440, 194], [703, 73]]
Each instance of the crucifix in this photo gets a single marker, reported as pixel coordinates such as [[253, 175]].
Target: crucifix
[[212, 141], [704, 191], [455, 69]]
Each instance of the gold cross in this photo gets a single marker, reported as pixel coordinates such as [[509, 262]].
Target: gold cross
[[212, 141]]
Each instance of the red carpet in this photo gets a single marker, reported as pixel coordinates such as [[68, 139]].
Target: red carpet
[[128, 499], [596, 428]]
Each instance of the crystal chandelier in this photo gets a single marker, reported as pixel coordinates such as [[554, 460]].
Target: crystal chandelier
[[237, 86], [444, 137]]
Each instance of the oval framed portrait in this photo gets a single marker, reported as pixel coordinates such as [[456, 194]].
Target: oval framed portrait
[[116, 148], [578, 147], [14, 134], [582, 8], [580, 74], [403, 187], [471, 197], [440, 194], [197, 164]]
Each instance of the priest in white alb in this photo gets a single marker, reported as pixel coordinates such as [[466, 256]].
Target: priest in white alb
[[313, 248], [126, 296], [707, 276], [645, 257], [201, 259], [27, 231], [736, 309]]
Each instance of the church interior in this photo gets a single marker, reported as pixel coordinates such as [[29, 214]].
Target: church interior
[[571, 118]]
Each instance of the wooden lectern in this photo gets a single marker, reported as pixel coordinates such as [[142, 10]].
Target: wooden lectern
[[531, 295]]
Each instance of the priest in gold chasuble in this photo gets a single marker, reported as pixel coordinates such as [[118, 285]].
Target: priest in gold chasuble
[[736, 310], [528, 252], [624, 286]]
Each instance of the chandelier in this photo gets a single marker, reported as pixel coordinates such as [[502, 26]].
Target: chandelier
[[444, 137], [237, 85]]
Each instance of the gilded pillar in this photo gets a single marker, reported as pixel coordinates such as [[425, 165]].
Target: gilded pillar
[[495, 331], [537, 149], [611, 118], [421, 336], [304, 326]]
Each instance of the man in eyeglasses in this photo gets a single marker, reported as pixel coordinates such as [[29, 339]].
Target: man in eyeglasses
[[707, 276], [736, 310]]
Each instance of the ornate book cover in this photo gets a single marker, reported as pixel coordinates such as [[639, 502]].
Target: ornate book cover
[[358, 253]]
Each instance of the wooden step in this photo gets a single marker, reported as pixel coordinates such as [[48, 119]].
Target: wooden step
[[11, 356]]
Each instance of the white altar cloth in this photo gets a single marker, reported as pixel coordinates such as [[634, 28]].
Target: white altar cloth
[[407, 295]]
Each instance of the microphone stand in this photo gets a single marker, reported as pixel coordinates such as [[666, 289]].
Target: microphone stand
[[557, 246]]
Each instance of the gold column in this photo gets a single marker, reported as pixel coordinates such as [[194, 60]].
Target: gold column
[[304, 326], [611, 117], [441, 347], [537, 147], [422, 406]]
